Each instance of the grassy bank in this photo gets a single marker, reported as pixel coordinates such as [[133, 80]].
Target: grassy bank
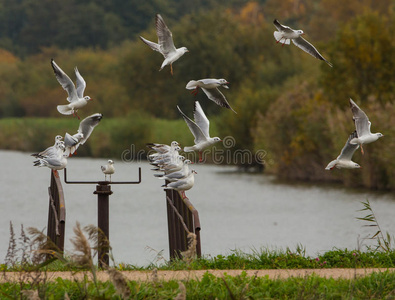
[[109, 139], [34, 279], [375, 286]]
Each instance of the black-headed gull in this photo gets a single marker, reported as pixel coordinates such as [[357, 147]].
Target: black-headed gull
[[108, 169], [285, 34], [75, 94], [165, 44], [55, 161], [173, 165], [165, 158], [72, 142], [50, 150], [343, 161], [182, 185], [200, 130], [174, 176], [162, 148], [210, 88], [362, 125]]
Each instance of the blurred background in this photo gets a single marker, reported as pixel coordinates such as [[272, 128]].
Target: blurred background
[[289, 104]]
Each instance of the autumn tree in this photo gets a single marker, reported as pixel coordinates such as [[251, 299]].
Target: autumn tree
[[363, 64]]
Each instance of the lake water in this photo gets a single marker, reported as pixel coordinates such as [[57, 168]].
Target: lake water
[[237, 210]]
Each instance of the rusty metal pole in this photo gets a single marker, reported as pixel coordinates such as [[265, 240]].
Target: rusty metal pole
[[103, 191]]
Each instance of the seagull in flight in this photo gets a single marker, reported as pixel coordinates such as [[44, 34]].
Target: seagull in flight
[[72, 142], [362, 125], [285, 34], [210, 88], [75, 92], [343, 161], [165, 44], [200, 130]]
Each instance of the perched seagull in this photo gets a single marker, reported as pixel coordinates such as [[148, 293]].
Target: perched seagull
[[55, 161], [165, 44], [173, 165], [108, 169], [75, 94], [343, 161], [285, 34], [174, 176], [182, 185], [155, 157], [210, 88], [200, 130], [49, 150], [72, 142], [162, 148], [362, 125]]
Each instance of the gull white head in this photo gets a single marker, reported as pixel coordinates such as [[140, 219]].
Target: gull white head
[[183, 49], [79, 135], [87, 98], [379, 135], [223, 82], [61, 145], [110, 162]]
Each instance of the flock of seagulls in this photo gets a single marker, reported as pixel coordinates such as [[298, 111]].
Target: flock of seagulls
[[360, 136], [55, 157], [174, 166], [166, 158], [171, 162]]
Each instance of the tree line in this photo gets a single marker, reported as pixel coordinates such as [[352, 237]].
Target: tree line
[[289, 104]]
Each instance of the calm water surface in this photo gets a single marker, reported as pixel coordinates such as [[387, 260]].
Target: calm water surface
[[237, 211]]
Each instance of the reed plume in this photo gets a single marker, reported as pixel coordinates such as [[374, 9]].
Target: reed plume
[[120, 283], [182, 295], [190, 254]]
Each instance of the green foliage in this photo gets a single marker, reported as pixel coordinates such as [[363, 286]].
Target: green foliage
[[363, 66], [375, 286], [384, 241]]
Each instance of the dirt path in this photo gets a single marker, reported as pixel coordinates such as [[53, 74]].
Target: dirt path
[[188, 275]]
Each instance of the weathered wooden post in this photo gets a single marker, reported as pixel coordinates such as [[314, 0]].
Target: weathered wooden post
[[182, 219], [56, 212]]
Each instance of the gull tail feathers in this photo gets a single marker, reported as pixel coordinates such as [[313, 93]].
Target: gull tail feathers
[[188, 149], [39, 163], [64, 109], [191, 85]]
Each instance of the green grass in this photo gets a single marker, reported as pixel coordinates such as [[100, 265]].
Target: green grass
[[375, 286], [267, 259], [262, 259]]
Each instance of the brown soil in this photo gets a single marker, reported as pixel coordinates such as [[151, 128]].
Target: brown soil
[[188, 275]]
